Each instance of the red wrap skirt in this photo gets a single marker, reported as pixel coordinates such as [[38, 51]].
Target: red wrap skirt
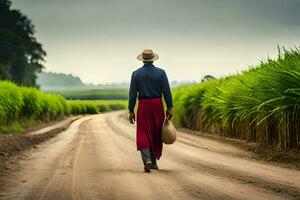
[[150, 118]]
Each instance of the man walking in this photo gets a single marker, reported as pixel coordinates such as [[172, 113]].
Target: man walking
[[149, 84]]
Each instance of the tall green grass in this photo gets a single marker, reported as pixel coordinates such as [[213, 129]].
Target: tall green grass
[[94, 94], [23, 104], [261, 104], [96, 106]]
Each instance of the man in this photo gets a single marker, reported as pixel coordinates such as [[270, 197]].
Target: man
[[149, 84]]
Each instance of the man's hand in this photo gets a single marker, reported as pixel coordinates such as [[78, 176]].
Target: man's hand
[[131, 117], [169, 113]]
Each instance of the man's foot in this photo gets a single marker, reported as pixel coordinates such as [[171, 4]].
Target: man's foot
[[154, 167], [147, 166]]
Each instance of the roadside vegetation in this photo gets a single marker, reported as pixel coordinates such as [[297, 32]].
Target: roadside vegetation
[[23, 106], [96, 106], [260, 105], [94, 94]]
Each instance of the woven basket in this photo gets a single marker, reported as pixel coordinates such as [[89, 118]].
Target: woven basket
[[168, 135]]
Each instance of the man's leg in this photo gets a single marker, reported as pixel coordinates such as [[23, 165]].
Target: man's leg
[[153, 160], [146, 157]]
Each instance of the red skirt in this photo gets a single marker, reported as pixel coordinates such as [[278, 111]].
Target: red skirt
[[150, 118]]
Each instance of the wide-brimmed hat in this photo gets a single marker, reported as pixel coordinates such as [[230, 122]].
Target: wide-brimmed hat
[[148, 55]]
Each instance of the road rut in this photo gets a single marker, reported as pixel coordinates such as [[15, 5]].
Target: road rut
[[96, 158]]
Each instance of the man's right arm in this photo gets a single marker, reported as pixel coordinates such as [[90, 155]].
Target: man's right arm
[[132, 93]]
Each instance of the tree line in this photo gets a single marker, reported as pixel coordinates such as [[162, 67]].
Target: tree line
[[21, 55]]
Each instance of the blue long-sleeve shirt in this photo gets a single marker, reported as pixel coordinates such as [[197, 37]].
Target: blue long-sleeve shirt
[[149, 82]]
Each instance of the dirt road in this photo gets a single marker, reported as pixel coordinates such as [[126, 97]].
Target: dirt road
[[96, 158]]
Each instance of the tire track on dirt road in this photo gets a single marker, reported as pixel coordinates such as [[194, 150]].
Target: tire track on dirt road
[[263, 176]]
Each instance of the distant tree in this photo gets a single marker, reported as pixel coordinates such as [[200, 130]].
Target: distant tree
[[20, 53], [207, 78], [49, 80]]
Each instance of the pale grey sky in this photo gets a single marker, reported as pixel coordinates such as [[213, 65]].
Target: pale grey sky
[[98, 40]]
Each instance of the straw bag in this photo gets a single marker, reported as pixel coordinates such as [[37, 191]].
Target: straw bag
[[168, 135]]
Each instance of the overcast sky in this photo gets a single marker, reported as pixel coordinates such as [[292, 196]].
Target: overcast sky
[[98, 40]]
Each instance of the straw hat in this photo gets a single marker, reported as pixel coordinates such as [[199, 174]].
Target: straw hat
[[148, 55], [168, 135]]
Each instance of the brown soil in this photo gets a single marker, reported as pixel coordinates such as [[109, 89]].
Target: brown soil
[[273, 155], [96, 158], [12, 145]]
